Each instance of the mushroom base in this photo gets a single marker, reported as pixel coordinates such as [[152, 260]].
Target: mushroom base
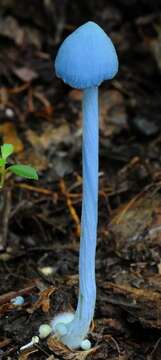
[[76, 330]]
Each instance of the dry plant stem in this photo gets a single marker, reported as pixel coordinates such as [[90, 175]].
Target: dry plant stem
[[5, 199], [71, 208], [2, 177]]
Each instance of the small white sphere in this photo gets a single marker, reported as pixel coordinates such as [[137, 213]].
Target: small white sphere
[[44, 330], [47, 270], [9, 113], [85, 344], [35, 340], [18, 300]]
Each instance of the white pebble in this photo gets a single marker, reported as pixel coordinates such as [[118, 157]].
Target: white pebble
[[85, 344], [35, 339], [9, 112], [47, 270], [18, 300], [44, 330]]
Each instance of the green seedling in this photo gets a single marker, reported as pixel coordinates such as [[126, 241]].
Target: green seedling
[[25, 171]]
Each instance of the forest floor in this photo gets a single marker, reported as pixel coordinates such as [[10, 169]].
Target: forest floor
[[39, 221]]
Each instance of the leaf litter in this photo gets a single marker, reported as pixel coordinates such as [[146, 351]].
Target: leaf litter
[[42, 119]]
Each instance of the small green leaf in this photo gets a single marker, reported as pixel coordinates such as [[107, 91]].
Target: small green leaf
[[2, 162], [25, 171], [6, 150]]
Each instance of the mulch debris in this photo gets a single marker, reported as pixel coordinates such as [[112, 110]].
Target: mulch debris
[[40, 222]]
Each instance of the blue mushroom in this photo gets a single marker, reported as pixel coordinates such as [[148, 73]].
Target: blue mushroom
[[85, 59]]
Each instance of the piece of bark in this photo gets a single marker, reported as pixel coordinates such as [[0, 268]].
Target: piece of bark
[[143, 305]]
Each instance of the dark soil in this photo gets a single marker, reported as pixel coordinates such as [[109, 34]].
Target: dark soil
[[39, 236]]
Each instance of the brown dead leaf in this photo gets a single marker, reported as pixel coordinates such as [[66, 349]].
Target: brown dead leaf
[[10, 136], [113, 117], [50, 135], [9, 27], [80, 355], [25, 74], [33, 138], [57, 347], [140, 216], [159, 268], [76, 95], [26, 353], [61, 350], [4, 342], [144, 305], [44, 300], [33, 36], [35, 158], [5, 308]]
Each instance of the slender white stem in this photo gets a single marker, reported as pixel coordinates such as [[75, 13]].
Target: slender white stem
[[78, 328]]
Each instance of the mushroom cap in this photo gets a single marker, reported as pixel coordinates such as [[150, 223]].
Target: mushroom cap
[[86, 57]]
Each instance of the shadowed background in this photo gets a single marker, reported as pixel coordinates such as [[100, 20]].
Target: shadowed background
[[40, 222]]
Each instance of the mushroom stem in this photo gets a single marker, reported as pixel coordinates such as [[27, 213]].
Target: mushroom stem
[[79, 327], [87, 293]]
